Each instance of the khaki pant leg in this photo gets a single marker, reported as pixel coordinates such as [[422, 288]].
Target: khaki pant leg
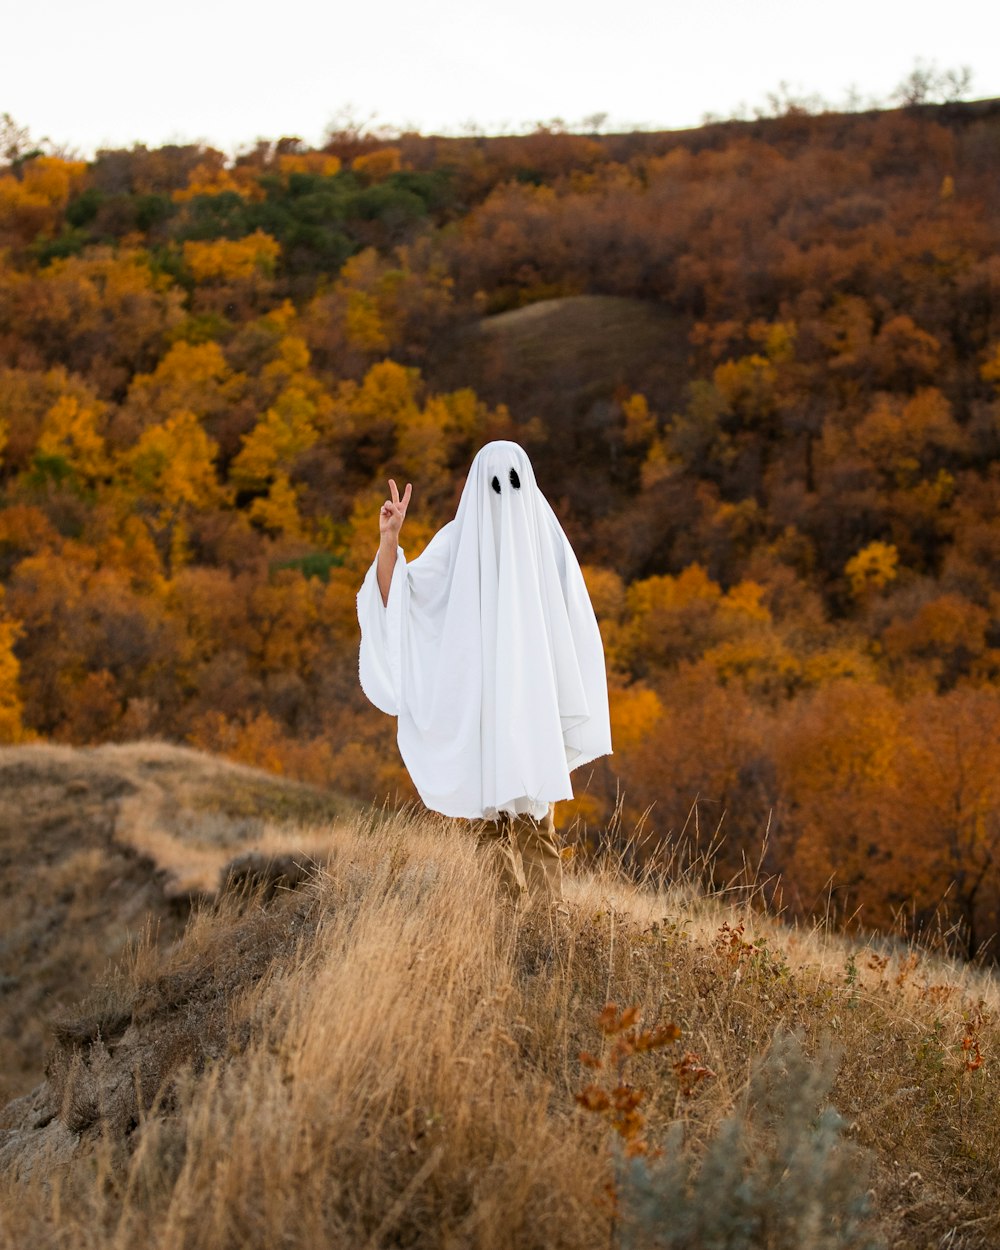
[[540, 856], [497, 839]]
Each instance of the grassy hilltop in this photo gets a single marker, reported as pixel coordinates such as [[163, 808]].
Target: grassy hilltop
[[380, 1053], [99, 843]]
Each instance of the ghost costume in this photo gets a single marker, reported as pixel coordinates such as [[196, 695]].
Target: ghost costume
[[488, 652]]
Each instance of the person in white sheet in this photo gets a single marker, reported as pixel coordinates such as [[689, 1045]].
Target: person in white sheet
[[486, 649]]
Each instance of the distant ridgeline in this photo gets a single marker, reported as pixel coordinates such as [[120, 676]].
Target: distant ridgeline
[[756, 365]]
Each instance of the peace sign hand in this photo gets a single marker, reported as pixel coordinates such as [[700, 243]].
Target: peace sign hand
[[390, 517]]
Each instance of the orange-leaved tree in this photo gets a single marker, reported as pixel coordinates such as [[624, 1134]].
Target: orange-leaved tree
[[11, 704]]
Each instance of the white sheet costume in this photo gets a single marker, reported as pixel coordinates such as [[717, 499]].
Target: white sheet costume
[[488, 651]]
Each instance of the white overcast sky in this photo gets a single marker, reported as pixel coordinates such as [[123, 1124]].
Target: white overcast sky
[[93, 73]]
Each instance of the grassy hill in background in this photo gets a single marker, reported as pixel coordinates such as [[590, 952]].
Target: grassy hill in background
[[563, 366], [386, 1055]]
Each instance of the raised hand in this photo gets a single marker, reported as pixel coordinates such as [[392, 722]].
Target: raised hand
[[390, 522], [392, 512]]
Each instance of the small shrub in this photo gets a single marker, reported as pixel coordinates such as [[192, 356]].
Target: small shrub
[[778, 1175]]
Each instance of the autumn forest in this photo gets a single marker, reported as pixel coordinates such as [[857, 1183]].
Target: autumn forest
[[756, 366]]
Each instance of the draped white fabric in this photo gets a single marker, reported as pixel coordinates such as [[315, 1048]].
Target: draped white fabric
[[488, 651]]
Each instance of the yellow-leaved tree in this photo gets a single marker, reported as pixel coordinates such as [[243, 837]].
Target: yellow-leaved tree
[[872, 569], [11, 706], [380, 305], [377, 165], [169, 474], [103, 315], [71, 434], [213, 178], [233, 277], [321, 163], [232, 260], [290, 426], [32, 203], [191, 377], [837, 761], [173, 465]]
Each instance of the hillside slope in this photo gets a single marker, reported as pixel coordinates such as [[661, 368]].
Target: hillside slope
[[563, 365], [756, 367], [391, 1057], [96, 845]]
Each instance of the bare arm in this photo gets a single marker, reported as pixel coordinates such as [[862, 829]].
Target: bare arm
[[390, 522]]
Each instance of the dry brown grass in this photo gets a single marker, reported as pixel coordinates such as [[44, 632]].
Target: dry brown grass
[[192, 812], [95, 844], [389, 1056]]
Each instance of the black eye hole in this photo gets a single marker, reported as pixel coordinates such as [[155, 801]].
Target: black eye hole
[[515, 481], [496, 485]]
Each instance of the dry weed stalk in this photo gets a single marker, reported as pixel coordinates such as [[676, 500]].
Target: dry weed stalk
[[620, 1104]]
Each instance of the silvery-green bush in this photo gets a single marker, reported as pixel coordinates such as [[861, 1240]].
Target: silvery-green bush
[[778, 1175]]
